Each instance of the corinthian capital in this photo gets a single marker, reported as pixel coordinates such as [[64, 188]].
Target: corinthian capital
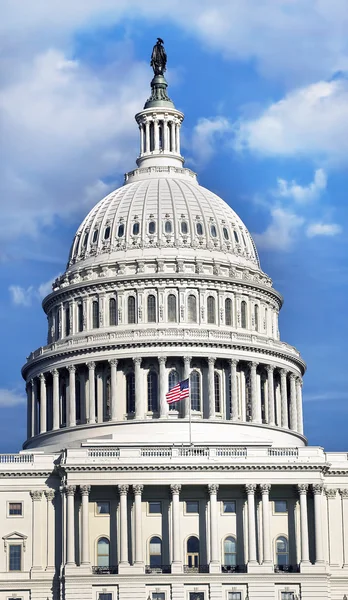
[[49, 495], [175, 488], [137, 361], [302, 488], [331, 493], [138, 489], [91, 365], [269, 368], [123, 489], [250, 488], [85, 490], [317, 488], [71, 368], [213, 488], [36, 495], [113, 362], [211, 360], [265, 488], [233, 363], [70, 490], [344, 492]]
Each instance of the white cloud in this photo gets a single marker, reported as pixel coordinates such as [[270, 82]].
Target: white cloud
[[281, 232], [206, 136], [10, 398], [24, 296], [299, 193], [311, 121], [326, 229]]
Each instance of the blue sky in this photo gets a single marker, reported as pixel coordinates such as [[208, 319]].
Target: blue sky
[[264, 89]]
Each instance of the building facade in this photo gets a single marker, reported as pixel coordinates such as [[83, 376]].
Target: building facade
[[117, 495]]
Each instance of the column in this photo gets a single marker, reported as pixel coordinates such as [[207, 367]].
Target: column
[[113, 379], [187, 369], [165, 135], [72, 397], [214, 545], [344, 497], [178, 138], [234, 390], [334, 533], [270, 388], [266, 532], [211, 388], [123, 491], [139, 396], [138, 490], [50, 566], [91, 379], [284, 398], [177, 561], [33, 408], [29, 410], [250, 490], [36, 496], [156, 134], [147, 136], [70, 524], [43, 402], [255, 400], [299, 405], [163, 387], [293, 402], [141, 129], [85, 490], [302, 490], [318, 527], [55, 399]]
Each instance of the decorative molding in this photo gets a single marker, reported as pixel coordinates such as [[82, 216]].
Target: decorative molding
[[50, 494], [302, 488], [331, 493], [175, 488], [85, 490], [70, 490], [343, 492], [317, 488], [36, 495], [123, 489], [213, 488], [138, 489], [113, 362], [250, 488], [91, 365], [265, 488]]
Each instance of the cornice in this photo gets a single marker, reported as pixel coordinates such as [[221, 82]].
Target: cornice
[[26, 474], [319, 468]]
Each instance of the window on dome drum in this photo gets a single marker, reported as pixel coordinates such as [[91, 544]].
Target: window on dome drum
[[243, 315], [172, 308], [103, 552], [107, 232], [287, 596], [236, 236], [217, 392], [78, 399], [226, 234], [211, 309], [230, 551], [192, 309], [102, 507], [199, 228], [151, 309], [104, 596], [168, 227], [244, 240], [152, 137], [228, 311], [256, 317], [15, 557], [67, 320], [120, 231], [234, 595], [280, 506], [95, 236], [213, 231], [136, 228], [152, 391], [192, 506], [173, 379], [85, 240], [196, 595], [131, 309], [155, 552], [282, 551], [155, 508], [184, 227], [112, 312], [130, 385], [160, 137], [80, 317], [195, 384], [229, 506], [158, 596], [152, 227], [95, 314], [15, 509], [192, 552], [56, 324]]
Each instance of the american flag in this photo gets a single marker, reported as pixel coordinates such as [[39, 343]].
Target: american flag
[[180, 391]]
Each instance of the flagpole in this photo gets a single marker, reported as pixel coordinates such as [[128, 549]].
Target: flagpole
[[190, 421]]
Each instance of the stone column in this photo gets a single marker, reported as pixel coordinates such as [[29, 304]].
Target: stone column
[[255, 400], [331, 495], [33, 408], [302, 490], [91, 378], [28, 391], [113, 381], [85, 490], [43, 403], [55, 398], [72, 397], [211, 387], [293, 403], [270, 386], [187, 369], [178, 137], [284, 398], [266, 531], [156, 134], [36, 496], [123, 491], [250, 490], [50, 566], [215, 566], [163, 387], [177, 561], [141, 129], [139, 559], [70, 524], [299, 405], [165, 135], [344, 497], [147, 136], [318, 527], [234, 390], [139, 396]]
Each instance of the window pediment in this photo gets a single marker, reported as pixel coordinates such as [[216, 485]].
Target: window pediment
[[15, 536]]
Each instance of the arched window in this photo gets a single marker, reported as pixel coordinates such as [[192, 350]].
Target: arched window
[[130, 385], [152, 227], [256, 317], [236, 236], [192, 554], [168, 227], [152, 137], [136, 228], [184, 227], [195, 384], [67, 320], [217, 391], [85, 240], [112, 312], [155, 552], [192, 309], [78, 399], [160, 137], [211, 309], [243, 315], [120, 230], [226, 235], [95, 314], [228, 311], [152, 391], [172, 308], [151, 309], [131, 309], [173, 379], [230, 551], [282, 551], [103, 552], [95, 236], [107, 232], [80, 317], [199, 228], [213, 231]]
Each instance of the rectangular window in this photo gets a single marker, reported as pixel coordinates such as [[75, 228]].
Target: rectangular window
[[155, 508], [192, 506], [105, 596], [234, 595], [287, 596], [15, 557], [15, 509], [280, 506], [229, 506], [103, 508], [158, 596], [196, 595]]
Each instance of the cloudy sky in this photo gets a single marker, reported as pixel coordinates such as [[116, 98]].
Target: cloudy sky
[[264, 87]]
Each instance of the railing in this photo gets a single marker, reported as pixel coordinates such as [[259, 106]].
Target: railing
[[112, 570], [199, 569], [194, 451], [286, 569], [289, 452], [233, 568], [231, 452], [156, 452], [103, 452], [158, 569], [16, 458]]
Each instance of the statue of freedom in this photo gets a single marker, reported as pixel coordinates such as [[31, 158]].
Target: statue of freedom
[[158, 58]]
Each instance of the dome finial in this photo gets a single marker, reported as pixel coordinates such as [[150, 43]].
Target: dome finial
[[159, 96], [158, 57]]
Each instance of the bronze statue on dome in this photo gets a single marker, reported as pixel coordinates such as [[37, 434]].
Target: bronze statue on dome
[[158, 58]]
